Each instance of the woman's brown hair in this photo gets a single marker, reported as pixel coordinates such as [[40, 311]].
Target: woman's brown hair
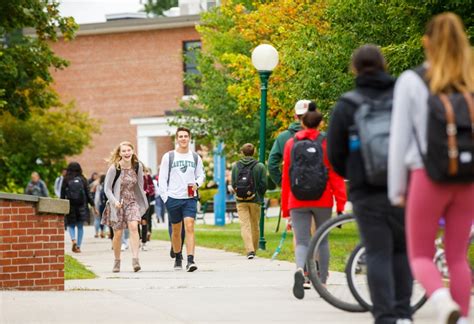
[[115, 155], [449, 54]]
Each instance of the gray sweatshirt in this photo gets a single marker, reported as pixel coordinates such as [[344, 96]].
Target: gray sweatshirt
[[183, 172], [410, 111]]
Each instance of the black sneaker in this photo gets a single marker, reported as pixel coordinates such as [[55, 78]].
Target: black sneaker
[[250, 255], [191, 266], [178, 264], [172, 254], [298, 286]]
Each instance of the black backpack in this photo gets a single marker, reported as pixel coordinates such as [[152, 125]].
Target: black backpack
[[450, 136], [245, 189], [75, 191], [372, 125], [308, 174]]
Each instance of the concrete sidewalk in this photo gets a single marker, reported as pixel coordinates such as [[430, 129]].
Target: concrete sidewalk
[[227, 288]]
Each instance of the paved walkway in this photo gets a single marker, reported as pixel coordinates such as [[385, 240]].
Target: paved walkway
[[227, 288]]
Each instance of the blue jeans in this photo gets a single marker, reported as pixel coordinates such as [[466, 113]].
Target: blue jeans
[[80, 232], [160, 209], [125, 235]]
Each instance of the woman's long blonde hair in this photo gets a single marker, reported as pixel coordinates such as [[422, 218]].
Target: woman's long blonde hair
[[450, 56], [115, 155]]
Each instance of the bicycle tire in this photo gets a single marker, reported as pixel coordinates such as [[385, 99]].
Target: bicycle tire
[[350, 304], [418, 299]]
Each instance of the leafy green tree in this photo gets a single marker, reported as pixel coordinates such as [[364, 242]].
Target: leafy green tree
[[157, 7], [37, 131], [40, 144], [25, 61], [315, 40]]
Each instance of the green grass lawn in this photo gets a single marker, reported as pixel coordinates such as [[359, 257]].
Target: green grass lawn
[[73, 269], [228, 238]]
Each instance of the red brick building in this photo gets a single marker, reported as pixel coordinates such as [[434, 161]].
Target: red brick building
[[128, 74]]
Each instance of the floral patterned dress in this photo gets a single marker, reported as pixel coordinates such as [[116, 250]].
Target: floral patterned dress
[[130, 210]]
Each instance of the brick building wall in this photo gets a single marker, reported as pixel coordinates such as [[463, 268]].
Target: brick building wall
[[31, 244], [116, 76]]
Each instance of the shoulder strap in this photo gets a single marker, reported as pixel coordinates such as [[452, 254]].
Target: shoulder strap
[[195, 157], [170, 163], [137, 166], [320, 138], [421, 72], [354, 97]]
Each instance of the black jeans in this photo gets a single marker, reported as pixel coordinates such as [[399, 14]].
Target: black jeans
[[145, 229], [382, 229]]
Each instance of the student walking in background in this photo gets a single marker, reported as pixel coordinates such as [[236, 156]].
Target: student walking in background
[[305, 166], [181, 174], [76, 190], [432, 145], [99, 202], [249, 182], [276, 154], [126, 200], [58, 183], [36, 186], [146, 218], [381, 226]]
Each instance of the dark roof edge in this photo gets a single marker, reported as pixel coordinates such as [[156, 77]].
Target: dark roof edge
[[132, 25]]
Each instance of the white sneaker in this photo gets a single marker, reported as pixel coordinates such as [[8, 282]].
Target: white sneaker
[[404, 321], [123, 247], [144, 247], [463, 320], [448, 311]]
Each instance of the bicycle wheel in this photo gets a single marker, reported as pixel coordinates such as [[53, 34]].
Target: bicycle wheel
[[343, 238], [356, 272]]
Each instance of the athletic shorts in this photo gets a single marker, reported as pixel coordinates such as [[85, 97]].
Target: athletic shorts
[[178, 209]]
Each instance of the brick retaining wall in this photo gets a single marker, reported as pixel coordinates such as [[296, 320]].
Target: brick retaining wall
[[31, 242]]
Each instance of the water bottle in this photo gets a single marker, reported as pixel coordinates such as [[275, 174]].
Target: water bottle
[[354, 141]]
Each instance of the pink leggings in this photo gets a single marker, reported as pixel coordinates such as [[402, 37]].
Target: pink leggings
[[427, 203]]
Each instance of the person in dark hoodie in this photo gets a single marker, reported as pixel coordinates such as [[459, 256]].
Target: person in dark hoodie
[[248, 207], [76, 190], [382, 227], [276, 154]]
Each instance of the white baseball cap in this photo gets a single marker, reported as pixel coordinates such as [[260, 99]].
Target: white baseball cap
[[301, 106]]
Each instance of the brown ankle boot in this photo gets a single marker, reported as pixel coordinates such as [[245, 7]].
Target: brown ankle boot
[[116, 266], [136, 265]]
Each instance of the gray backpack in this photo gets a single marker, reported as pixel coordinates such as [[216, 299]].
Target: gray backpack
[[372, 122]]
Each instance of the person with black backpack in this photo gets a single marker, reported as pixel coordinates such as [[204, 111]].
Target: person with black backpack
[[358, 138], [75, 189], [432, 146], [249, 181], [309, 187]]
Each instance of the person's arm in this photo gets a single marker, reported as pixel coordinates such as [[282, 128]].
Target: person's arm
[[274, 161], [109, 179], [285, 179], [262, 179], [337, 185], [57, 188], [89, 199], [234, 176], [401, 130], [44, 189], [338, 139], [163, 178], [140, 181], [200, 175]]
